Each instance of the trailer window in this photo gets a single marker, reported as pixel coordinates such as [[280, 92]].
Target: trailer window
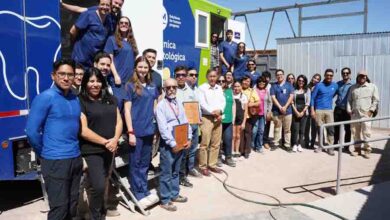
[[202, 29]]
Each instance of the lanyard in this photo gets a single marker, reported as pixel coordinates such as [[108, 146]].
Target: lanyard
[[175, 110]]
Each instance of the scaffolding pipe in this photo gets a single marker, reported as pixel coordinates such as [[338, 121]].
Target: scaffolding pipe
[[282, 8]]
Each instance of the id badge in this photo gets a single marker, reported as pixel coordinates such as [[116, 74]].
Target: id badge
[[284, 91]]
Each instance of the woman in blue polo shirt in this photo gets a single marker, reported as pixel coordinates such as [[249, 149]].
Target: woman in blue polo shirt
[[251, 71], [139, 117], [90, 33], [240, 62], [122, 48]]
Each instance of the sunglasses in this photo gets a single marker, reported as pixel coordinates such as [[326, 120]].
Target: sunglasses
[[329, 75], [194, 75], [345, 73], [171, 87], [124, 22], [181, 75], [221, 81]]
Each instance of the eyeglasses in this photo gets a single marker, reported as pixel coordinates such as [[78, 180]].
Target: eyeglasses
[[181, 75], [124, 22], [194, 75], [345, 73], [63, 74], [329, 75], [221, 81], [171, 87]]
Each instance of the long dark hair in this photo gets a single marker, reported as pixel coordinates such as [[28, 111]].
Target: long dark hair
[[137, 83], [129, 36], [261, 79], [304, 82], [238, 50], [311, 85], [105, 96]]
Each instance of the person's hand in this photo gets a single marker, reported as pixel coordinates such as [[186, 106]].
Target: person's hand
[[176, 149], [313, 114], [187, 145], [112, 144], [269, 116], [283, 110], [132, 140], [216, 113], [242, 126], [117, 80], [302, 114]]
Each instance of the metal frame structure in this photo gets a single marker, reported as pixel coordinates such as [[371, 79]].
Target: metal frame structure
[[343, 144], [300, 8]]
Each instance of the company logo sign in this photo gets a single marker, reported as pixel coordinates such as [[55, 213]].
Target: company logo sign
[[237, 35], [164, 18]]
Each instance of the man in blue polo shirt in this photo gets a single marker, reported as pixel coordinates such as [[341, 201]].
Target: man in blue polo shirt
[[322, 106], [340, 112], [52, 130], [227, 52], [282, 97]]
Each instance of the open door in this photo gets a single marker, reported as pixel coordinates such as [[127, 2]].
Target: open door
[[217, 26]]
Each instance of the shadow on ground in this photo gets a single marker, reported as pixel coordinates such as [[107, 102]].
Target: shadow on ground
[[14, 194]]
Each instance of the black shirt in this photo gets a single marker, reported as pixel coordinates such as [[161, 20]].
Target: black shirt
[[101, 118]]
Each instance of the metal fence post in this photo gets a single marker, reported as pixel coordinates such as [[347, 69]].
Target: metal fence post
[[341, 141]]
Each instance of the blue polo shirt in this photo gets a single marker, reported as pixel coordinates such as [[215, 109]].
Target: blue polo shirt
[[282, 93], [229, 50], [254, 76], [240, 66], [92, 37], [142, 106], [157, 80], [113, 18], [53, 125], [322, 95], [342, 94]]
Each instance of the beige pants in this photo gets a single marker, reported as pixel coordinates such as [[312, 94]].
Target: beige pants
[[211, 140], [325, 117], [361, 132], [285, 122]]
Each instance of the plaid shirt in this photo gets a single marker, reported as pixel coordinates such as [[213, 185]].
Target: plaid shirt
[[214, 52]]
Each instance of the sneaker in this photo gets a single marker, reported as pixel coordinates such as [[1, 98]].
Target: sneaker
[[181, 199], [219, 162], [230, 162], [185, 182], [195, 173], [366, 154], [153, 198], [261, 150], [295, 147], [273, 148], [300, 149], [288, 149], [330, 152], [112, 213], [317, 150], [169, 207]]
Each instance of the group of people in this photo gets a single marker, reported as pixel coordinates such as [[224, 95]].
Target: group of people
[[105, 92]]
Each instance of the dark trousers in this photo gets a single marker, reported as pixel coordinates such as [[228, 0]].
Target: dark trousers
[[310, 132], [98, 168], [342, 115], [140, 157], [266, 139], [62, 179], [298, 130], [189, 154], [227, 139], [246, 137], [169, 177]]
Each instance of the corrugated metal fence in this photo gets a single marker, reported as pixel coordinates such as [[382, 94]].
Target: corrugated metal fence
[[310, 55]]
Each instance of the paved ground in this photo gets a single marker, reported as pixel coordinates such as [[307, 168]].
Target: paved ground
[[291, 177]]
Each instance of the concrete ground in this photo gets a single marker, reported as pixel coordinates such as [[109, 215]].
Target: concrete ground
[[291, 177]]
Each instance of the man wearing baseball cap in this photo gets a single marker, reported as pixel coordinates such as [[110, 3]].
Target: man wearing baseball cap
[[363, 100]]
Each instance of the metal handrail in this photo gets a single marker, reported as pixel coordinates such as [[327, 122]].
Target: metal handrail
[[342, 144]]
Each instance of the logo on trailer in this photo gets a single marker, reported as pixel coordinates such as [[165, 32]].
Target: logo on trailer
[[237, 35], [164, 18]]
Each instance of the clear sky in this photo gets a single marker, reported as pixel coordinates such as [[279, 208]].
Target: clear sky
[[378, 19]]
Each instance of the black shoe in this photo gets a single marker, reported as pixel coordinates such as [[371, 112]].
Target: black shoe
[[246, 156], [230, 162], [273, 148], [185, 182]]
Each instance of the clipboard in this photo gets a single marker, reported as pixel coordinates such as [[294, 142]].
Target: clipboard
[[180, 133], [192, 112]]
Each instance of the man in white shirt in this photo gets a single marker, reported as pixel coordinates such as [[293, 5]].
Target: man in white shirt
[[212, 103]]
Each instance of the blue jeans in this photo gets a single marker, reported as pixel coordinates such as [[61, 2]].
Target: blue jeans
[[227, 138], [258, 133], [169, 177], [188, 162], [140, 157]]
